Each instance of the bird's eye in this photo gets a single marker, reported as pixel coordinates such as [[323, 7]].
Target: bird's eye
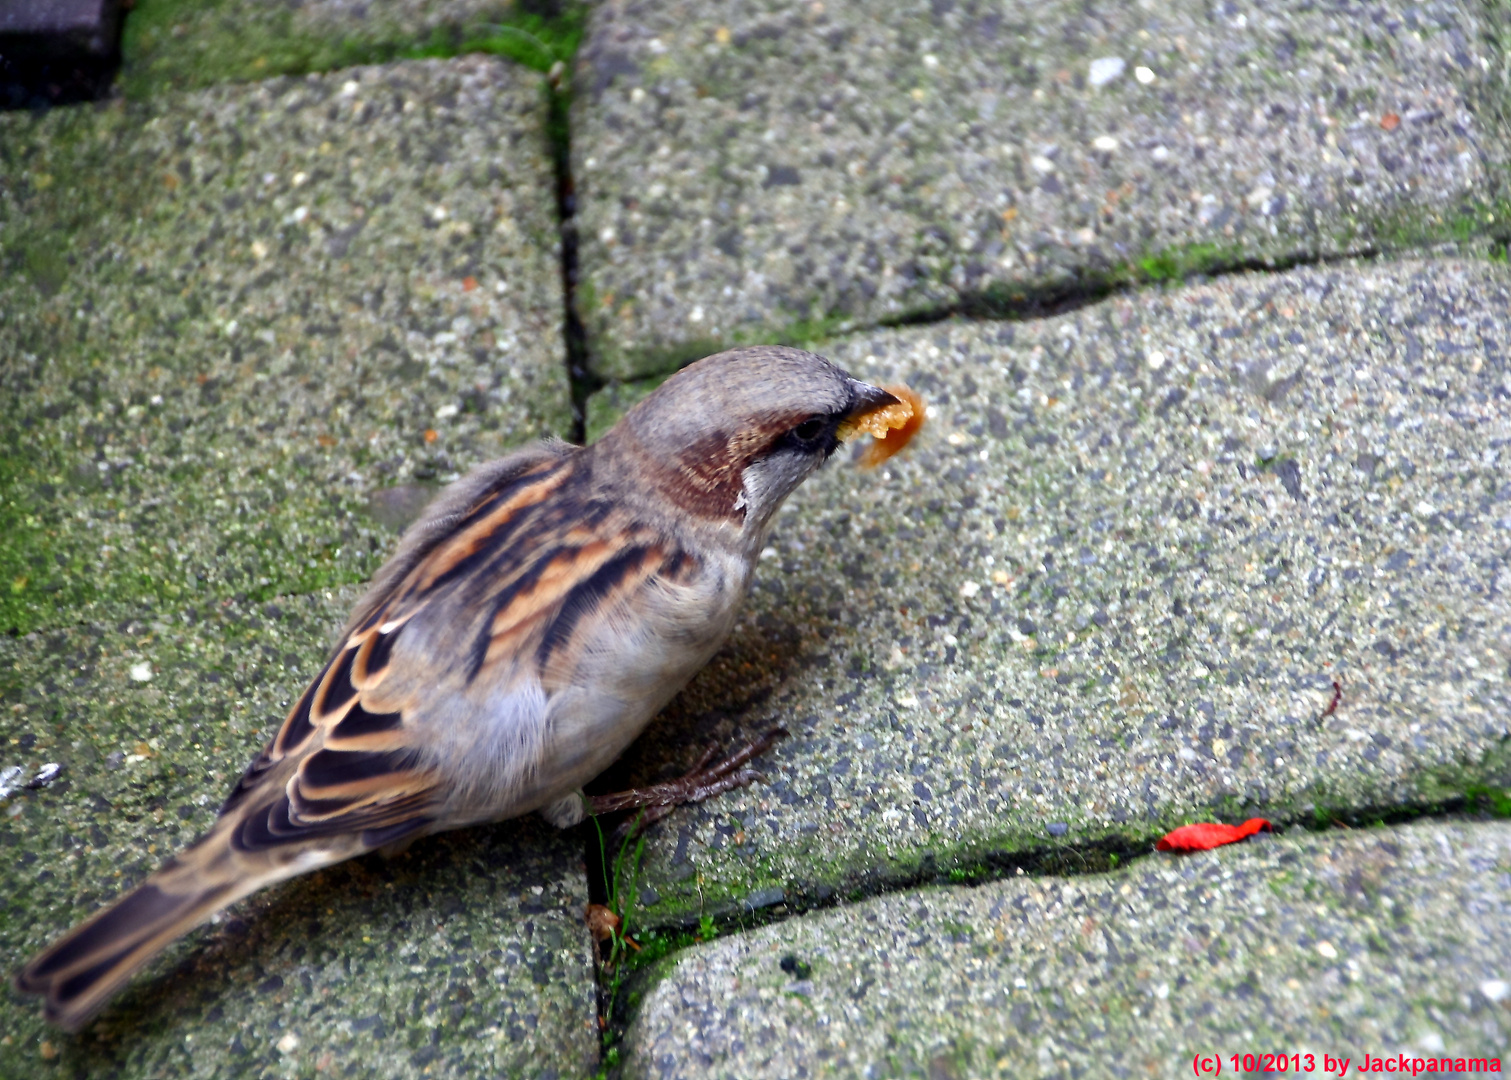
[[808, 429]]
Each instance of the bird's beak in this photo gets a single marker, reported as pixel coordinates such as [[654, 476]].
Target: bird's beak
[[891, 417], [866, 399]]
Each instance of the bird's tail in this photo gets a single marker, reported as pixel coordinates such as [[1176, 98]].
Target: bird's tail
[[81, 970]]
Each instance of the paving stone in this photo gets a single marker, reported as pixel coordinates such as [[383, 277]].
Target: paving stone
[[229, 316], [1110, 587], [465, 957], [1383, 942], [786, 169], [193, 43]]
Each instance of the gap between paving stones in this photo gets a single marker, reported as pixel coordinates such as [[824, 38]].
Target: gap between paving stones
[[620, 996], [1167, 269], [1174, 266], [1382, 939], [580, 376], [786, 140]]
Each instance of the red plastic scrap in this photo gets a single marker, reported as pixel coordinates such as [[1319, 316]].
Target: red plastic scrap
[[1209, 834]]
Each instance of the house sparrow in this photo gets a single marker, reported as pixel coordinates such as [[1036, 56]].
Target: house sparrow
[[530, 625]]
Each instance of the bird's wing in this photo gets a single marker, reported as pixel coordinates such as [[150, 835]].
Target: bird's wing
[[467, 630], [432, 710]]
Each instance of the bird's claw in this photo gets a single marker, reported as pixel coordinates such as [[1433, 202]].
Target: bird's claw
[[703, 782]]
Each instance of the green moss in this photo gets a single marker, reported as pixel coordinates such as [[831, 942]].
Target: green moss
[[1494, 800], [148, 453], [1475, 222], [1470, 221], [1177, 264], [54, 570], [36, 586], [182, 44]]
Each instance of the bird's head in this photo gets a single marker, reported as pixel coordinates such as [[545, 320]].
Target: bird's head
[[731, 436]]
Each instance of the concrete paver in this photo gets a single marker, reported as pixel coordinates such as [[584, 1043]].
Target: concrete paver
[[787, 170], [1386, 942], [467, 956], [230, 316], [1111, 585]]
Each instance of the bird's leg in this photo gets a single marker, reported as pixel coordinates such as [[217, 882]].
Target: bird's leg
[[703, 782]]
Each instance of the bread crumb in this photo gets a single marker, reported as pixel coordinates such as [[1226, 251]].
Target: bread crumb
[[891, 426]]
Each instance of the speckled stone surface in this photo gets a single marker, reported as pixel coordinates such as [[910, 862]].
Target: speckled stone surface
[[465, 957], [192, 43], [231, 316], [758, 171], [1109, 587], [1384, 942]]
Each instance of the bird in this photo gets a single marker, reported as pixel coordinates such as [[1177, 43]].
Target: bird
[[529, 625]]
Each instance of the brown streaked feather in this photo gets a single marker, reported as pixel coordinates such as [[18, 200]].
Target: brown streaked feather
[[336, 691], [495, 482], [297, 730], [78, 973], [360, 729]]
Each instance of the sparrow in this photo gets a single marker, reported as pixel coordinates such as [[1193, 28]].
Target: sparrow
[[531, 623]]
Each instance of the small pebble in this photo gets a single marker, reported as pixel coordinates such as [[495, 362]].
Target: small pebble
[[1104, 69]]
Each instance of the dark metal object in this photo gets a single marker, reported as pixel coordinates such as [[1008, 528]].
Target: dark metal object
[[57, 51]]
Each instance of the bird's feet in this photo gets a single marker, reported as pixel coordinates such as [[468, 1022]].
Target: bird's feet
[[703, 782]]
